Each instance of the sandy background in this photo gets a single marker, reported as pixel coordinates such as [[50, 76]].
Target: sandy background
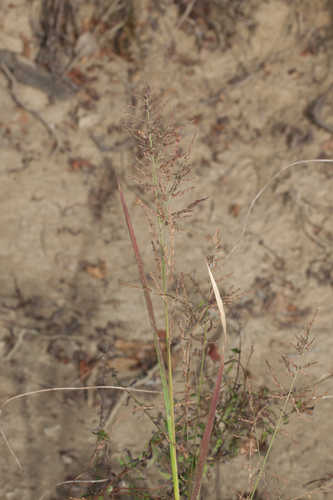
[[241, 75]]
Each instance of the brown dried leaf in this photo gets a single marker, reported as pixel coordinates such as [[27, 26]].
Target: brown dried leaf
[[234, 209], [97, 271], [78, 163]]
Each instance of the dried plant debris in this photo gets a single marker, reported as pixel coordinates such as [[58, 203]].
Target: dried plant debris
[[65, 32], [320, 110], [321, 270], [100, 195], [21, 70], [57, 33], [114, 24], [214, 23]]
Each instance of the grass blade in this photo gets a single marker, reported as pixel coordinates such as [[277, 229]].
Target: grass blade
[[213, 404]]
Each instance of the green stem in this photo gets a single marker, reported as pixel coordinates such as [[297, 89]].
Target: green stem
[[168, 388]]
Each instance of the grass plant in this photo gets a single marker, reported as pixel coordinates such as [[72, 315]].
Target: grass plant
[[217, 413], [161, 169]]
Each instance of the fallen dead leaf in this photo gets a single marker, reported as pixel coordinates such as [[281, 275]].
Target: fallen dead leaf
[[97, 271], [79, 163], [26, 52], [234, 209]]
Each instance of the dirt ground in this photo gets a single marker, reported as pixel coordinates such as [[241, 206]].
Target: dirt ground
[[243, 76]]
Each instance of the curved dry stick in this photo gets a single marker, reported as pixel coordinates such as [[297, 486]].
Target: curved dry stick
[[53, 389], [262, 190]]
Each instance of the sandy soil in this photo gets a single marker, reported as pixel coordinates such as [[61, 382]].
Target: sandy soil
[[241, 75]]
